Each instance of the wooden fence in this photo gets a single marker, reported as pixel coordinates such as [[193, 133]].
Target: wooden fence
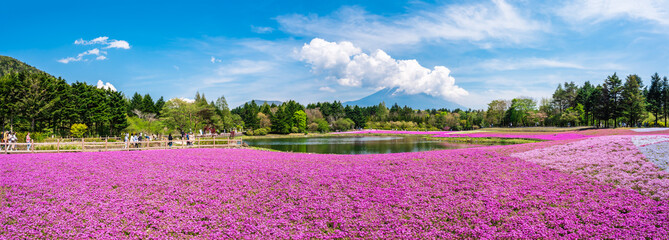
[[67, 145]]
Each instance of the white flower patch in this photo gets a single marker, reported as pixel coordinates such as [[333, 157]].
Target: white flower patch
[[655, 149]]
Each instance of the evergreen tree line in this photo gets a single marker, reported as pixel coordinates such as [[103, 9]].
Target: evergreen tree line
[[292, 117], [38, 102], [610, 104]]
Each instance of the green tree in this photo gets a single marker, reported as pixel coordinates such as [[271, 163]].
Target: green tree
[[135, 103], [584, 97], [520, 109], [117, 112], [613, 87], [654, 97], [343, 124], [323, 125], [300, 118], [281, 121], [180, 115], [37, 97], [78, 130], [665, 96], [496, 110], [160, 103], [632, 99], [147, 106]]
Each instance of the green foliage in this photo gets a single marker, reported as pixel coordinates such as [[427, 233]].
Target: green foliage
[[257, 132], [180, 115], [343, 124], [632, 99], [300, 120], [655, 96], [78, 130], [135, 104], [323, 126], [147, 105]]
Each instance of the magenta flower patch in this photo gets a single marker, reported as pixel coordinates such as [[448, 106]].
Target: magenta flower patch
[[614, 160], [250, 194]]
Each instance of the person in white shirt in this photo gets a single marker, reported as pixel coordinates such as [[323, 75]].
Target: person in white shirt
[[126, 141]]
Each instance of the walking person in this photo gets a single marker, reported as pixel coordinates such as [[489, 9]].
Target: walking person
[[13, 139], [125, 141], [28, 141], [169, 138]]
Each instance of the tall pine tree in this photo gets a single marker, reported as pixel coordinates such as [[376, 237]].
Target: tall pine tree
[[654, 97], [632, 99], [613, 86]]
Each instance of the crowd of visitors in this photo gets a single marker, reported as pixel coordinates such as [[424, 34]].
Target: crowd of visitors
[[8, 141], [134, 140]]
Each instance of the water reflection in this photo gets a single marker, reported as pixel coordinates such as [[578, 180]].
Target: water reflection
[[355, 145]]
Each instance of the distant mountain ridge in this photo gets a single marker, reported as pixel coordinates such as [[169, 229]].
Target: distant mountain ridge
[[390, 96], [9, 65]]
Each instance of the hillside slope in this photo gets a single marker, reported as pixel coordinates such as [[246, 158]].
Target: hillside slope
[[10, 65]]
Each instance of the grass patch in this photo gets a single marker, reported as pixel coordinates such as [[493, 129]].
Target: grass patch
[[485, 140], [535, 129]]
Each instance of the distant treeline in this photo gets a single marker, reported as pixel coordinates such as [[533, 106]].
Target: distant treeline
[[292, 117], [38, 102], [610, 104]]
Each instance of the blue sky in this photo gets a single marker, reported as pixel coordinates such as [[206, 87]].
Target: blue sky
[[470, 52]]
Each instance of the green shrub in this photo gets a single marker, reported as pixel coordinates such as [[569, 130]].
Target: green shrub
[[323, 125], [78, 129]]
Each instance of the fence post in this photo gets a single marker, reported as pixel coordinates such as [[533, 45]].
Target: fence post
[[214, 141], [199, 142], [106, 139], [58, 146], [83, 146]]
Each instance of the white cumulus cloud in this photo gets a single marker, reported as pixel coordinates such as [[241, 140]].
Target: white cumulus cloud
[[349, 66], [101, 55], [98, 40], [214, 60], [106, 86], [118, 44], [104, 41], [80, 56]]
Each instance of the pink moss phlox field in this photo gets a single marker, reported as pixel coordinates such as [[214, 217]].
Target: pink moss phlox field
[[540, 136], [613, 160], [392, 132], [251, 194]]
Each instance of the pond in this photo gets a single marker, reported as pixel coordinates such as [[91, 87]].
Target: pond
[[355, 144]]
